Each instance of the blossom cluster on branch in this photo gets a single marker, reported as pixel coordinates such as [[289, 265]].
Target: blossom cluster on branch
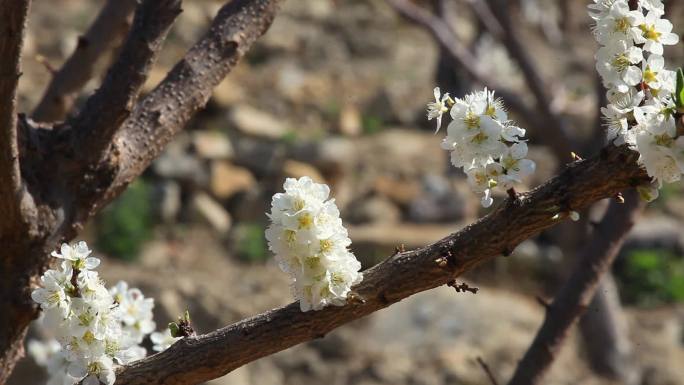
[[93, 328], [642, 106], [483, 141], [311, 244]]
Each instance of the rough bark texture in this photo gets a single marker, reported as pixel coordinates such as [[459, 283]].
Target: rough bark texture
[[104, 35], [13, 231], [111, 104], [187, 88], [13, 14], [196, 359], [577, 292]]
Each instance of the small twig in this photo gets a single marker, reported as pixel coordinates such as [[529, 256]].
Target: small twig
[[462, 287], [543, 302], [487, 371]]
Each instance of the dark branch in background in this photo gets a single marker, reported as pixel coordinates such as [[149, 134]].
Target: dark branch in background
[[104, 35], [13, 14], [605, 332], [450, 42], [196, 359], [105, 111], [578, 291], [510, 39], [161, 114]]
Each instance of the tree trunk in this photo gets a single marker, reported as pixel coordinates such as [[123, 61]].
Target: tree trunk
[[605, 333]]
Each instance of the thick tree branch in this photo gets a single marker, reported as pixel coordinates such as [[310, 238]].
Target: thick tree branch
[[13, 15], [186, 89], [111, 104], [447, 38], [196, 359], [104, 35], [577, 292]]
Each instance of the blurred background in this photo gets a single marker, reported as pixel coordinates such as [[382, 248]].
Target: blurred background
[[336, 90]]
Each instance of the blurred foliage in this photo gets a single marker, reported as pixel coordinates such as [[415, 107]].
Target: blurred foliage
[[250, 243], [126, 224], [290, 138], [651, 277], [371, 124]]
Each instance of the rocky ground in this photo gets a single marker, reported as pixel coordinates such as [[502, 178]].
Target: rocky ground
[[336, 91]]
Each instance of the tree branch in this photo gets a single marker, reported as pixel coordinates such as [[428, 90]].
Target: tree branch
[[104, 35], [106, 110], [577, 292], [187, 88], [13, 14], [447, 38], [196, 359], [498, 23]]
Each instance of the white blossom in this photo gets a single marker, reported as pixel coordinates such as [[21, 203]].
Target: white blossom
[[641, 108], [618, 65], [488, 146], [93, 327], [162, 340], [655, 32], [436, 109], [311, 244]]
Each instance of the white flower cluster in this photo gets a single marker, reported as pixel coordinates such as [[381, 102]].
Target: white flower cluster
[[641, 105], [93, 327], [488, 146], [310, 244]]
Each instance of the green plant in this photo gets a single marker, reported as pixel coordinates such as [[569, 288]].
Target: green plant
[[250, 243], [126, 224], [651, 277], [371, 124]]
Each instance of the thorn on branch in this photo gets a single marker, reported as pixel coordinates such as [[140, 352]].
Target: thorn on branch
[[512, 194], [575, 157], [619, 198], [462, 287], [44, 61], [399, 249], [487, 371], [82, 42], [543, 302]]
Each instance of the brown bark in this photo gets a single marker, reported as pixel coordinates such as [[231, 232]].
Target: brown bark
[[13, 14], [13, 231], [196, 359], [605, 333], [105, 34], [161, 114], [111, 104], [577, 292]]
